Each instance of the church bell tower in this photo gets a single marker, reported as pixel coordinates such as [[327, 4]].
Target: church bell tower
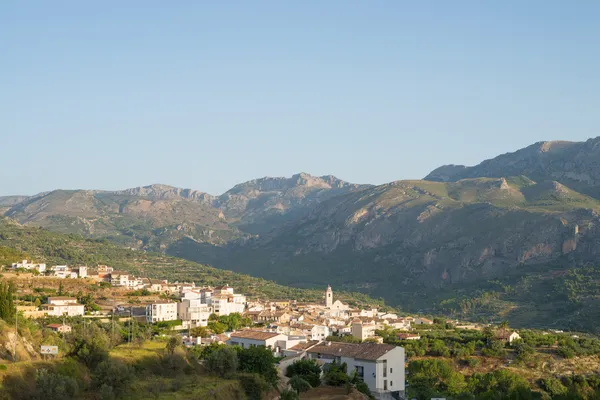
[[328, 297]]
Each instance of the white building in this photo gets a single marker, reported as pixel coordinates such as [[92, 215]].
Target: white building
[[161, 311], [364, 331], [59, 306], [82, 272], [381, 366], [29, 266], [61, 271], [193, 313], [276, 342], [225, 304], [319, 332]]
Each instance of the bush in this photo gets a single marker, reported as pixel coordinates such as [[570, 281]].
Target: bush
[[553, 386], [566, 352], [308, 370], [287, 394], [254, 385], [336, 375], [54, 386], [115, 374], [89, 352], [299, 384], [222, 361], [471, 362], [362, 387]]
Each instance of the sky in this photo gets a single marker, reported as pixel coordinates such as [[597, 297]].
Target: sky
[[205, 95]]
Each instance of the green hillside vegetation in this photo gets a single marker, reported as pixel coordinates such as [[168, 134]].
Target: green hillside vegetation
[[56, 249], [469, 364]]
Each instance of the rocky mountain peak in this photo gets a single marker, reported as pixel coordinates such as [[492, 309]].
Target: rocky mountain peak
[[164, 192]]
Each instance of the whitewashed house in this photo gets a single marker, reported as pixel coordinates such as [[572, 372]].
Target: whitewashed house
[[59, 306], [319, 332], [381, 366], [61, 271], [29, 266]]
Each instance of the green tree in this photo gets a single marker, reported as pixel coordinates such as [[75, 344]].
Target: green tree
[[258, 360], [217, 327], [60, 289], [172, 345], [200, 331], [222, 361], [307, 369]]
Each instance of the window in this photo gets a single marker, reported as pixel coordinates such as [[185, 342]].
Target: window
[[384, 368], [384, 384], [391, 371], [391, 383], [360, 371]]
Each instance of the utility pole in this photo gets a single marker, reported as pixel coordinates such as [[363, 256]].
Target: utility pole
[[16, 331], [130, 322]]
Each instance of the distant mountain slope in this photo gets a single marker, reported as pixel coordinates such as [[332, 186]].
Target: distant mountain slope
[[55, 248], [152, 217], [574, 164], [263, 204], [149, 219]]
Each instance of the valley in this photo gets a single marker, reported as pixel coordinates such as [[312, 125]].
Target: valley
[[516, 237]]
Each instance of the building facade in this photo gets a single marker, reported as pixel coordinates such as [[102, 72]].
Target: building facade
[[163, 311]]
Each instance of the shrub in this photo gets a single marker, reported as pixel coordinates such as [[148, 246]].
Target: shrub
[[308, 370], [54, 386], [254, 385], [336, 375], [287, 394], [566, 352], [299, 384], [222, 361], [115, 374], [553, 386], [362, 387]]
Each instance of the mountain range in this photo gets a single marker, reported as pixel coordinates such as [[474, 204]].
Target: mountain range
[[499, 239]]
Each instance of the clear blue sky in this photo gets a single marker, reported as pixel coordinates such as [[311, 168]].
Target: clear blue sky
[[116, 94]]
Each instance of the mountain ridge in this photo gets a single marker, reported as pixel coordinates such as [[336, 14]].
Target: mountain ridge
[[519, 219]]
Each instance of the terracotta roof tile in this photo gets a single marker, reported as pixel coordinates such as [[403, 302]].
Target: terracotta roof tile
[[363, 351], [256, 335]]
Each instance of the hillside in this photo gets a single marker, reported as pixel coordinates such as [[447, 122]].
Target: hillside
[[416, 243], [54, 248], [574, 164], [153, 217]]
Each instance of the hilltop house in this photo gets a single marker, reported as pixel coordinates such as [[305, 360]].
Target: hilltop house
[[29, 266]]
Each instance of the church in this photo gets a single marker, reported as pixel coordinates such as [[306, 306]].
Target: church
[[337, 305]]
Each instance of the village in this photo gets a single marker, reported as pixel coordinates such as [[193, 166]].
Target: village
[[330, 331]]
